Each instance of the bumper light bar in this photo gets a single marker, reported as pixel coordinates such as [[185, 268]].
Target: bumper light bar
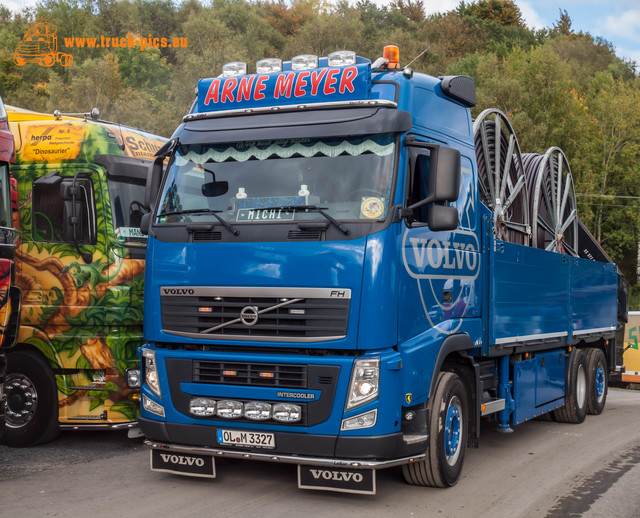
[[253, 410]]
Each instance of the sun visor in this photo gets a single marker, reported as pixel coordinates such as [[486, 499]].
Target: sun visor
[[298, 124]]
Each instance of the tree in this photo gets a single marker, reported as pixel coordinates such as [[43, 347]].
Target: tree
[[504, 12]]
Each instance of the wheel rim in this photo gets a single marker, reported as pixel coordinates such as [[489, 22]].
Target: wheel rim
[[581, 386], [600, 383], [453, 430], [22, 400]]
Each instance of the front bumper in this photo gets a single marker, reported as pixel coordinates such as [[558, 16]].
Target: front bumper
[[299, 448]]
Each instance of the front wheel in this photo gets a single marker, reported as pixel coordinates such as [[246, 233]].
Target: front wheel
[[442, 464], [597, 374], [32, 406]]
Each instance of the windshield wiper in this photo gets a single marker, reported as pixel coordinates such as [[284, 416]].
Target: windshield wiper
[[224, 222], [320, 210]]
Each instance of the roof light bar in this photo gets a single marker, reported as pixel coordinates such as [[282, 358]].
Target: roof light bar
[[235, 68], [304, 62], [268, 65], [342, 58]]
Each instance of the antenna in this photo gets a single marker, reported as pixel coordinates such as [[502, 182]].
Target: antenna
[[418, 56]]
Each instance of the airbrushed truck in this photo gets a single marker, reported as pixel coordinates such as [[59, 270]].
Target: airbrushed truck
[[347, 272], [80, 264], [9, 292]]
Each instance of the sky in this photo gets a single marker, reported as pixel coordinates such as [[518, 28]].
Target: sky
[[617, 21]]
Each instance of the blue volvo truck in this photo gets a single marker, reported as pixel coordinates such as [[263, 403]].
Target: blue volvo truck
[[329, 285]]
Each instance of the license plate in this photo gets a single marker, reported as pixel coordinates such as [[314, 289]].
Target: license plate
[[253, 439], [344, 480], [193, 465]]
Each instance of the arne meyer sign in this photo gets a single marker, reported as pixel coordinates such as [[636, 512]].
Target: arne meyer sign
[[327, 84]]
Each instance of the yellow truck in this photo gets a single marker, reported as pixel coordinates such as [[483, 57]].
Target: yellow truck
[[80, 264], [632, 349]]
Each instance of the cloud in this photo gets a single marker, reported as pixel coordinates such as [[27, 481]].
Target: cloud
[[443, 6], [625, 25], [17, 5], [531, 18]]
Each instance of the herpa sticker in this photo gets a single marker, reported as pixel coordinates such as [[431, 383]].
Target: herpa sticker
[[372, 208]]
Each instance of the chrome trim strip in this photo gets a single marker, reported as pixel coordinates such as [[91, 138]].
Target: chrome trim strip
[[251, 338], [249, 291], [366, 103], [595, 330], [528, 338], [287, 459], [102, 426]]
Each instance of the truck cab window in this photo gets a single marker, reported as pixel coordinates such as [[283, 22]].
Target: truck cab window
[[53, 210], [350, 177]]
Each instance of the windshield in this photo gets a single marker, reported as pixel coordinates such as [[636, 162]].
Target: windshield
[[127, 196], [348, 178]]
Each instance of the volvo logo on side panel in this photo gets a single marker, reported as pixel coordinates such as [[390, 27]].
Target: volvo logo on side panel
[[249, 315]]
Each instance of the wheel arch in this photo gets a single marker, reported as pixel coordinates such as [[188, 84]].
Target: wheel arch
[[453, 357]]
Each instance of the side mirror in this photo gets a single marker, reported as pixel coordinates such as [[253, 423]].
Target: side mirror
[[442, 217], [444, 174], [145, 223], [436, 176]]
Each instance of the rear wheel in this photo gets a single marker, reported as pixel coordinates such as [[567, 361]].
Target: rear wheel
[[575, 399], [442, 464], [597, 374], [32, 410]]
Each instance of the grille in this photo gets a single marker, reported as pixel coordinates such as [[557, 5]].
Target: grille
[[206, 235], [262, 375], [294, 316], [304, 235]]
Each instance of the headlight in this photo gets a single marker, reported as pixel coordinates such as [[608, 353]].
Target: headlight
[[133, 378], [365, 382], [151, 371]]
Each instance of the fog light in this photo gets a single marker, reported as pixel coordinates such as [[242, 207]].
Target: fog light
[[257, 411], [341, 58], [133, 378], [202, 406], [266, 66], [151, 406], [304, 62], [229, 409], [366, 420], [287, 413]]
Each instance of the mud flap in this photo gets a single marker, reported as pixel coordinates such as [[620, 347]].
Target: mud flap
[[190, 464], [344, 480]]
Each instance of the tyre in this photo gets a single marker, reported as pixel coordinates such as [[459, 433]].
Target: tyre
[[32, 403], [575, 398], [442, 464], [597, 375]]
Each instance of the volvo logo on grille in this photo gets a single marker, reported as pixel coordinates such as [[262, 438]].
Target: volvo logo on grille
[[249, 315]]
